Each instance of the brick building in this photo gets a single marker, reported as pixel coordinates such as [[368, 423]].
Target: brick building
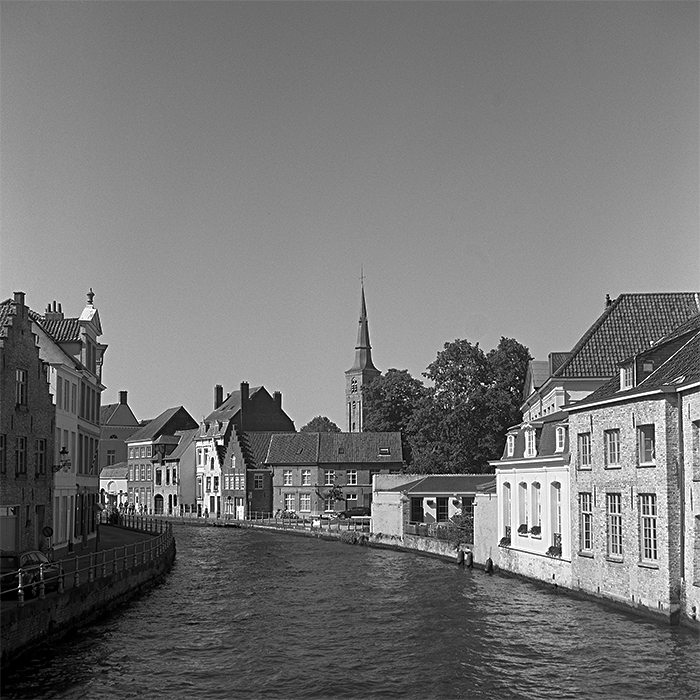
[[636, 481], [27, 422], [117, 423], [307, 466]]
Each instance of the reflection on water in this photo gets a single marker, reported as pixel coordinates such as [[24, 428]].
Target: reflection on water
[[247, 614]]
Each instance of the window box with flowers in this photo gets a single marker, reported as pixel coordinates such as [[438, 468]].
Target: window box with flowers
[[505, 541], [554, 551], [522, 529], [536, 531]]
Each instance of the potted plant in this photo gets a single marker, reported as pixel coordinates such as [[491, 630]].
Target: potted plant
[[535, 530], [554, 551], [505, 542], [522, 529]]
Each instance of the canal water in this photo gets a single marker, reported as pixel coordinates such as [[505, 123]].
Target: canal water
[[251, 614]]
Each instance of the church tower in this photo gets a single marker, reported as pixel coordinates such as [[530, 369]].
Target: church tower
[[360, 374]]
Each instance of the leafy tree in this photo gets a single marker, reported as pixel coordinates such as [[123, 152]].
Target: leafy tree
[[389, 403], [320, 424], [461, 422]]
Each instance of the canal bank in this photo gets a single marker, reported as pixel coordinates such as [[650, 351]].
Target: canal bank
[[127, 562]]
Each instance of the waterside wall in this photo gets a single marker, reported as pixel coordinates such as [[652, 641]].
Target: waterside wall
[[39, 621]]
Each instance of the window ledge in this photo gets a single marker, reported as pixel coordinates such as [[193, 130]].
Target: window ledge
[[647, 565], [613, 466], [644, 465], [586, 555], [584, 469], [614, 560]]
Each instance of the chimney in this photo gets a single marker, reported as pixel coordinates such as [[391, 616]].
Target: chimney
[[218, 396], [245, 392], [54, 312], [122, 397], [19, 303], [277, 396], [607, 301]]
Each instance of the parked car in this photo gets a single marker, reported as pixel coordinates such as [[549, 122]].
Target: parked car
[[357, 511], [30, 563]]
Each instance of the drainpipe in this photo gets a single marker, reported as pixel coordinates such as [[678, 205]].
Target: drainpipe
[[681, 479]]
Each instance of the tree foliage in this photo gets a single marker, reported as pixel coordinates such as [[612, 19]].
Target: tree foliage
[[389, 403], [320, 424]]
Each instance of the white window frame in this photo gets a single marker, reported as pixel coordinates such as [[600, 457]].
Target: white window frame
[[329, 477], [287, 477], [306, 477], [586, 522], [530, 443], [611, 439], [352, 477], [561, 438], [510, 445], [613, 514], [646, 444], [289, 501], [584, 452], [304, 502], [648, 530]]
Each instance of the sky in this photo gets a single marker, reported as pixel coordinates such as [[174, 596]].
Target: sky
[[220, 173]]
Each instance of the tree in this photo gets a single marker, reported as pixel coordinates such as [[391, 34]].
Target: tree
[[389, 403], [320, 424], [460, 424]]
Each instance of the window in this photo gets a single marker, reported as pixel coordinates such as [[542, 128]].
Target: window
[[159, 477], [208, 484], [21, 387], [143, 472], [305, 502], [522, 508], [148, 451], [561, 438], [40, 457], [352, 477], [510, 445], [216, 484], [555, 513], [329, 477], [329, 504], [59, 392], [131, 473], [353, 386], [73, 397], [627, 377], [111, 457], [535, 509], [506, 509], [200, 490], [384, 451], [586, 522], [131, 453], [351, 500], [66, 395], [416, 510], [696, 450], [148, 472], [289, 501], [142, 451], [612, 448], [442, 509], [584, 450], [287, 477], [645, 444], [530, 443], [257, 481], [613, 507], [306, 477], [174, 475], [3, 453], [647, 527], [21, 455]]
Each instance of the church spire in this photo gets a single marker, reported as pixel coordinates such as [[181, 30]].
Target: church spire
[[362, 371]]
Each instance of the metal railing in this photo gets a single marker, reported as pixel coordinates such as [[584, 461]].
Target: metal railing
[[86, 568]]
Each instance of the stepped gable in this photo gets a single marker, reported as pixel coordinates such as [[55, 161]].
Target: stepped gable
[[629, 323]]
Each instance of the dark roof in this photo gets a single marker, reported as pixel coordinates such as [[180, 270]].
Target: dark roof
[[230, 406], [335, 448], [107, 411], [154, 428], [257, 445], [630, 323], [186, 437], [445, 484], [683, 367], [64, 330], [546, 437]]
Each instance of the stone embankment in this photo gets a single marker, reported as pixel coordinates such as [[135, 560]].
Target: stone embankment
[[142, 553]]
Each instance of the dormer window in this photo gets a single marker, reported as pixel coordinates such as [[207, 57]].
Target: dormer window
[[385, 451], [530, 443], [510, 445], [626, 377], [561, 438]]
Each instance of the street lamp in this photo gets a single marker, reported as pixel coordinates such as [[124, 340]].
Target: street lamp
[[64, 463]]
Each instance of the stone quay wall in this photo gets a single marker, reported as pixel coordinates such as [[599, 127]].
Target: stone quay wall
[[43, 620]]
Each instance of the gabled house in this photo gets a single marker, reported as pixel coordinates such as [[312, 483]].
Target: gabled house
[[223, 451], [27, 422], [628, 324], [309, 470], [175, 478], [635, 496], [147, 449], [114, 485], [117, 423]]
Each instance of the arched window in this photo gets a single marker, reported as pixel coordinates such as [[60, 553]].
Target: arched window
[[555, 513], [522, 508], [535, 509], [506, 509]]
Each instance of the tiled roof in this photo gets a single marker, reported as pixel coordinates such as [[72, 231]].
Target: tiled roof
[[107, 411], [154, 427], [120, 470], [62, 331], [335, 448], [230, 406], [7, 308], [629, 324], [546, 437], [257, 446], [683, 367], [445, 484]]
